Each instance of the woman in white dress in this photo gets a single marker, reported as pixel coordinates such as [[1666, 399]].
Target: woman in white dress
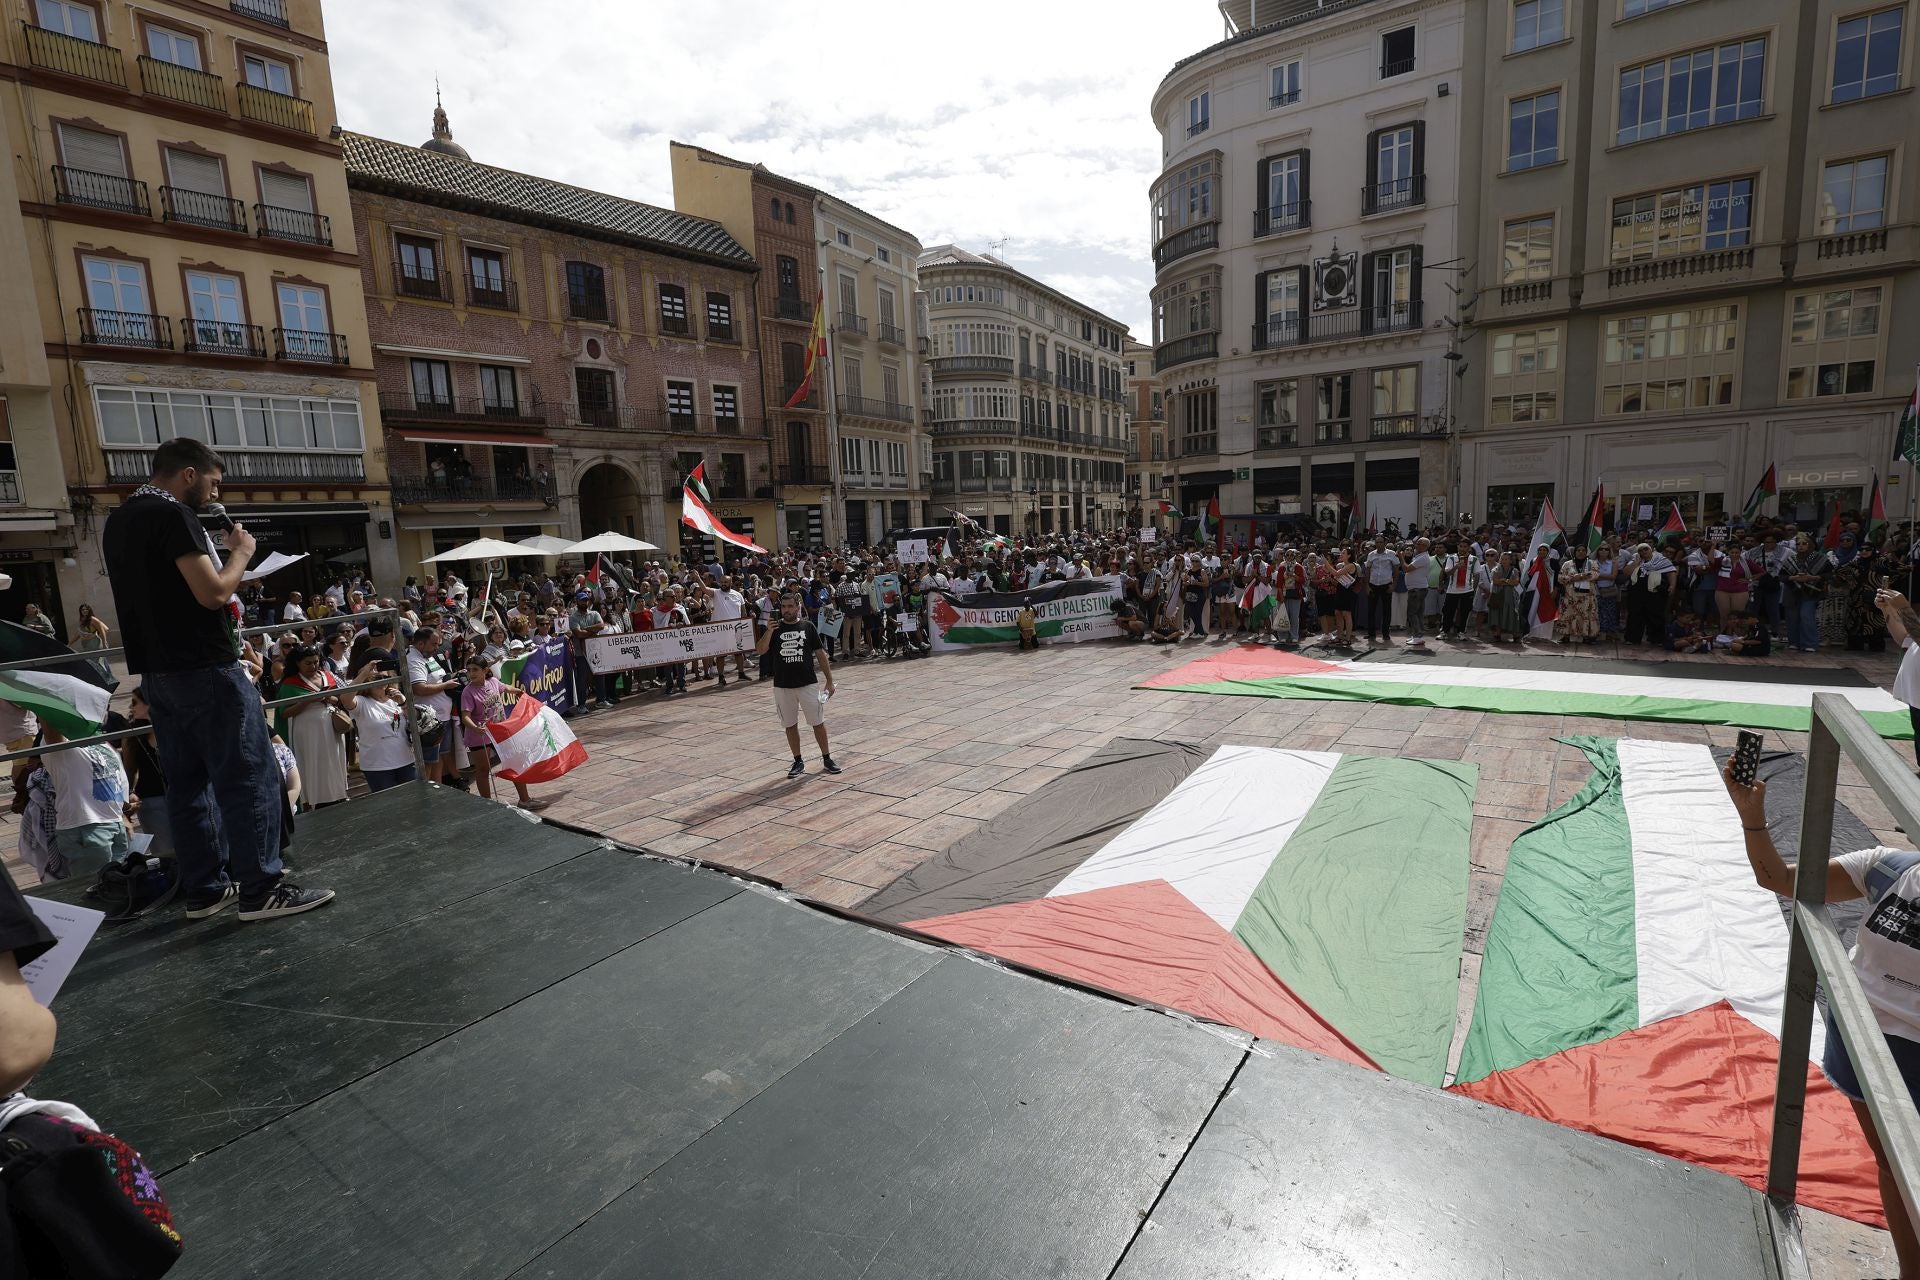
[[307, 727]]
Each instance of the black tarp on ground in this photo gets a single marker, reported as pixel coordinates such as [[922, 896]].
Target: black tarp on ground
[[1027, 849]]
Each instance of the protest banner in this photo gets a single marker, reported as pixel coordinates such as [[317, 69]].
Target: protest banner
[[1149, 534], [1064, 613], [637, 649], [912, 551], [542, 672]]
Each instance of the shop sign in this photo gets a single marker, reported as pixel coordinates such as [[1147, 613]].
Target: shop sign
[[1819, 479]]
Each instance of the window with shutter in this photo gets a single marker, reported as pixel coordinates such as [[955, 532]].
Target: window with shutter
[[93, 151], [191, 172], [285, 191]]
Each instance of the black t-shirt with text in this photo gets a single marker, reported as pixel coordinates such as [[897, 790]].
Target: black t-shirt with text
[[162, 625], [790, 653]]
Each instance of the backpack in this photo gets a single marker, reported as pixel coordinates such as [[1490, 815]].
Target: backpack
[[130, 889]]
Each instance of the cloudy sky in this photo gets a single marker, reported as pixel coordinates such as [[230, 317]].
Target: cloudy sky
[[1027, 119]]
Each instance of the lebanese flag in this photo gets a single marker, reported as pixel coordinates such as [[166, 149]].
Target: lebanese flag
[[1631, 986], [1542, 611], [1674, 527], [535, 745], [695, 514]]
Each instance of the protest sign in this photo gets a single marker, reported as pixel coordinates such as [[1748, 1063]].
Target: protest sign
[[607, 654]]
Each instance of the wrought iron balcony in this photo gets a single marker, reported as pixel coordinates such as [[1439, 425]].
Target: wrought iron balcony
[[596, 415], [976, 427], [182, 84], [281, 110], [802, 473], [587, 306], [1195, 239], [1286, 99], [1395, 193], [402, 406], [1334, 326], [199, 209], [125, 329], [68, 55], [862, 407], [849, 322], [411, 489], [1199, 127], [1195, 346], [891, 334], [487, 291], [273, 11], [222, 338], [100, 191], [1398, 67], [309, 346], [275, 223], [133, 466], [792, 308], [410, 281], [1002, 365], [974, 484], [1297, 216], [712, 424], [1036, 373], [10, 488]]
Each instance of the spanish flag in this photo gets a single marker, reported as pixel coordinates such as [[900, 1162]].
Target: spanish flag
[[816, 349]]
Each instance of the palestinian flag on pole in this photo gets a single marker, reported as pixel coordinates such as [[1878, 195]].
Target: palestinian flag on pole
[[1593, 525], [1201, 532], [1876, 512], [71, 695], [697, 481], [1546, 530], [535, 744], [1166, 508], [695, 514], [1631, 981], [1537, 687], [1227, 884], [1906, 440], [1768, 487], [816, 349], [1675, 527]]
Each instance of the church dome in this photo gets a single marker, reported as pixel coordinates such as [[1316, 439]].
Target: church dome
[[442, 139]]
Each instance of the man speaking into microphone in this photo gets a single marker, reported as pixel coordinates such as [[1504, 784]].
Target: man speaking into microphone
[[181, 630]]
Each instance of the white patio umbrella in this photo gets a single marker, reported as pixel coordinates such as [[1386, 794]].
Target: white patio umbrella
[[481, 549], [610, 542], [546, 544]]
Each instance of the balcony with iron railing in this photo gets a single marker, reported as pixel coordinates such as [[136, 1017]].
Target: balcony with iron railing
[[125, 329], [787, 308], [1393, 194], [1334, 326], [404, 406], [200, 209], [275, 223], [492, 292], [1282, 218], [973, 484], [588, 306], [190, 85], [411, 280], [1195, 346], [268, 11], [134, 466], [1398, 67], [1198, 238], [1386, 426], [975, 427], [884, 410], [593, 415], [1035, 373], [56, 51], [281, 110], [940, 365], [10, 488], [810, 473], [107, 191], [849, 322], [414, 489], [1284, 99], [222, 338], [891, 334], [712, 424], [309, 346]]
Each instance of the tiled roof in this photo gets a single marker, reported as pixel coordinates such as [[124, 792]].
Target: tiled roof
[[952, 255], [377, 164]]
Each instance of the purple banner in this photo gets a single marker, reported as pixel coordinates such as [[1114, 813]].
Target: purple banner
[[543, 673]]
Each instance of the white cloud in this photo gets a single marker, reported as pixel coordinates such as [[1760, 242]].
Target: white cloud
[[1027, 121]]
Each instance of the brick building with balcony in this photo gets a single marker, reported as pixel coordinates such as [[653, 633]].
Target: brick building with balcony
[[172, 205], [552, 359]]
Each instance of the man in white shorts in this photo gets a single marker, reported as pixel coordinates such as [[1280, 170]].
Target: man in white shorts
[[790, 649]]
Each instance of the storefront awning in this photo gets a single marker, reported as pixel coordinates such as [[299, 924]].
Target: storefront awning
[[475, 437]]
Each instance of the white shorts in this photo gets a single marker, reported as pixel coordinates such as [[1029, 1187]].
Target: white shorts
[[794, 703]]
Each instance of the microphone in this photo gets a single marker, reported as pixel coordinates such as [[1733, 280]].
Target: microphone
[[215, 514]]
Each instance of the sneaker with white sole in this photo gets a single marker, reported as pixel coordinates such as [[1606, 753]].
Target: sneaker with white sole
[[285, 899], [228, 896]]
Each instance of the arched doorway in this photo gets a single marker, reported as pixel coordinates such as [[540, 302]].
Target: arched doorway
[[609, 501]]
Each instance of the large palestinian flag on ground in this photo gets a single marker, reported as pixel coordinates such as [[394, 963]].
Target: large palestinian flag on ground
[[1309, 897], [1631, 984], [1758, 696]]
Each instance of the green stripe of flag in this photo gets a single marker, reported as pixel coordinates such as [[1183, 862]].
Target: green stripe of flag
[[1363, 911], [1752, 715], [1560, 968], [69, 704]]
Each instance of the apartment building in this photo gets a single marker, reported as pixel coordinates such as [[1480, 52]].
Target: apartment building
[[1148, 479], [177, 169], [1697, 239], [1306, 226], [1029, 399], [553, 359], [851, 456]]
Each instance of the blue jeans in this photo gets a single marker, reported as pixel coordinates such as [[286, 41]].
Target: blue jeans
[[381, 779], [1803, 622], [217, 753]]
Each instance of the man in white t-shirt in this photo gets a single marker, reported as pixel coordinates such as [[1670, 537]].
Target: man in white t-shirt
[[726, 605], [1380, 564], [433, 687], [1418, 566], [293, 612]]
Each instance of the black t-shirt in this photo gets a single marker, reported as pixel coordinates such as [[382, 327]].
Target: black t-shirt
[[162, 625], [791, 654], [20, 930]]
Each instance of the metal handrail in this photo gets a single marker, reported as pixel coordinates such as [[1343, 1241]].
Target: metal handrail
[[1816, 957], [406, 690]]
